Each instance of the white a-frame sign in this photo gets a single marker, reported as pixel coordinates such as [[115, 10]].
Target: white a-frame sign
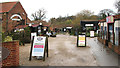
[[38, 46]]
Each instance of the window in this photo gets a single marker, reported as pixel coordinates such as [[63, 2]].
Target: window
[[105, 30], [116, 31], [111, 32]]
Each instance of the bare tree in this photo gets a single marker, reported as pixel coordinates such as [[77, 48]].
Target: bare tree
[[105, 12], [39, 15], [117, 5]]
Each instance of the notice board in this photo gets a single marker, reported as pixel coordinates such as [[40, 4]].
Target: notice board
[[91, 33], [81, 40], [38, 46]]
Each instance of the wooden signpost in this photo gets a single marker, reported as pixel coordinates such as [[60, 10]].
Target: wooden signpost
[[39, 47], [81, 40]]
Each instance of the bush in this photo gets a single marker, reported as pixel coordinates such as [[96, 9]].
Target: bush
[[87, 34], [72, 32], [96, 35], [7, 39], [23, 36]]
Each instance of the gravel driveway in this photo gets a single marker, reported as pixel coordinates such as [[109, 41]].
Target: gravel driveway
[[62, 52]]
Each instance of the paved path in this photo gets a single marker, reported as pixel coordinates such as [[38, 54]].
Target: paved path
[[62, 52], [103, 55]]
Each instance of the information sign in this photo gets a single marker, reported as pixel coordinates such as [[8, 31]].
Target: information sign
[[38, 46], [91, 33], [81, 40]]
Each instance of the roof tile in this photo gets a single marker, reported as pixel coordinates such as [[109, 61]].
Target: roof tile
[[7, 6]]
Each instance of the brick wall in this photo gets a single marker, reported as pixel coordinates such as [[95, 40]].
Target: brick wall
[[114, 48], [111, 46], [101, 40], [13, 58]]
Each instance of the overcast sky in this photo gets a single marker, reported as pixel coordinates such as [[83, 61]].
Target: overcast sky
[[56, 8]]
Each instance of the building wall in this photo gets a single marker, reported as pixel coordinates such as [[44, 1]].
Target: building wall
[[4, 19], [17, 9], [115, 46]]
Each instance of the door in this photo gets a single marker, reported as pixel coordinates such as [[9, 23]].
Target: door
[[111, 32]]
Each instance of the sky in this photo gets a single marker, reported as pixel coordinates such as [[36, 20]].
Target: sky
[[56, 8]]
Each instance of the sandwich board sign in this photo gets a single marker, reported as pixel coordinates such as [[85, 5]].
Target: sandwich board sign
[[91, 33], [81, 40], [38, 46]]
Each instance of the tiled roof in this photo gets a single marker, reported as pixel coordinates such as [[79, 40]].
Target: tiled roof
[[6, 6], [44, 23], [35, 25], [115, 17], [21, 26]]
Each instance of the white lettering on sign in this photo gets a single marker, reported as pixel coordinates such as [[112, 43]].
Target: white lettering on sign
[[88, 24], [16, 19]]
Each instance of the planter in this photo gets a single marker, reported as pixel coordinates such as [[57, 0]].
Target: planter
[[110, 45], [12, 59]]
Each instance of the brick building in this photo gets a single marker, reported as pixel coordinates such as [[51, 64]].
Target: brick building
[[13, 15], [109, 32]]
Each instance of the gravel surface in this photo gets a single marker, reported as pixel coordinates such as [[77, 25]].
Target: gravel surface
[[62, 52]]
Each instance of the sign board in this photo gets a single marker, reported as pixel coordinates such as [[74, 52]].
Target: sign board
[[38, 46], [81, 40], [89, 25], [91, 33], [33, 34], [68, 27], [110, 19]]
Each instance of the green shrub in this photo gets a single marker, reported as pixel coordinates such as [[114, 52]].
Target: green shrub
[[96, 35], [8, 38], [23, 36], [87, 34]]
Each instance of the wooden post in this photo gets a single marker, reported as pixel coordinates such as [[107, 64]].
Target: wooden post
[[47, 45], [77, 40], [31, 49], [103, 31], [113, 34], [107, 31], [44, 54], [119, 39]]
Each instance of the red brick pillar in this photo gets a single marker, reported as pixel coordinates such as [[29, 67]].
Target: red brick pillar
[[13, 58]]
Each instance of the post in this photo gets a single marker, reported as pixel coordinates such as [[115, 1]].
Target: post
[[77, 40], [31, 49], [47, 45]]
